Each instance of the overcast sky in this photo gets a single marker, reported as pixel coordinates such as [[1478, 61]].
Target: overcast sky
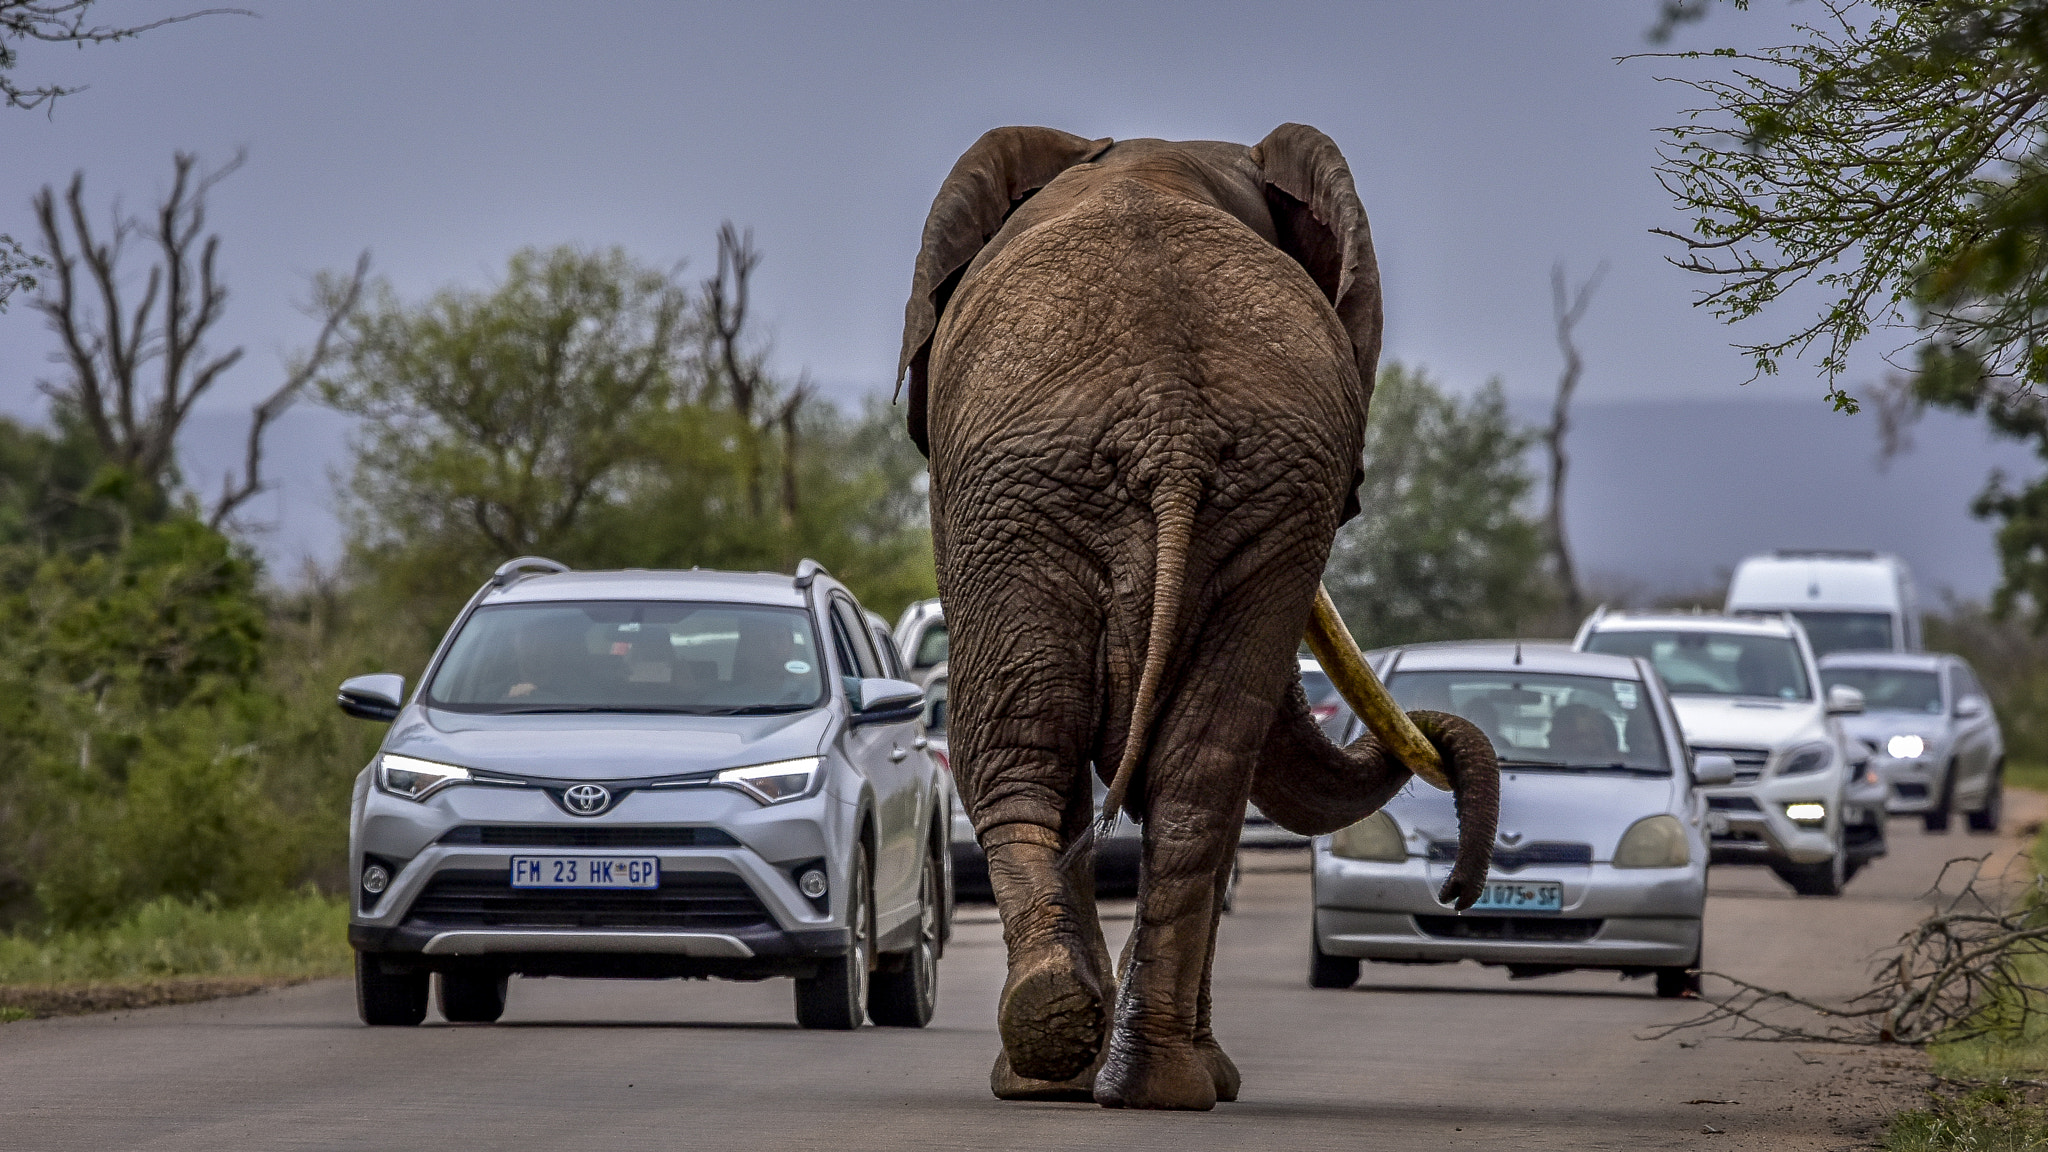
[[1488, 140]]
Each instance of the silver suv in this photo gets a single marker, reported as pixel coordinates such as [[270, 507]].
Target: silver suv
[[1746, 687], [1937, 745], [651, 774]]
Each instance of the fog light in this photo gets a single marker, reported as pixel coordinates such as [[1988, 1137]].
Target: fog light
[[376, 879], [811, 883], [1806, 813]]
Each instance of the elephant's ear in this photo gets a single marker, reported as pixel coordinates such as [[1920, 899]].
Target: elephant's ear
[[1321, 224], [1001, 171]]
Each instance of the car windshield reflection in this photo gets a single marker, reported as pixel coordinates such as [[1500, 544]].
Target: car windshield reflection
[[630, 656], [1547, 721]]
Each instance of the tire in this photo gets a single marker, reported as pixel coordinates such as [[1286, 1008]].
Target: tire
[[473, 997], [1987, 818], [907, 996], [1823, 879], [1936, 819], [836, 998], [389, 999], [1325, 971], [1679, 983]]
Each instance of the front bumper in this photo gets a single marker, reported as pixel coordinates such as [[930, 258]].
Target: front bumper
[[1910, 786], [727, 904], [1623, 918], [1746, 823]]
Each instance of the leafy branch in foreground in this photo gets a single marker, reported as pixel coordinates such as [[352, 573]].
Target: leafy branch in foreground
[[1888, 161], [1972, 968], [64, 22]]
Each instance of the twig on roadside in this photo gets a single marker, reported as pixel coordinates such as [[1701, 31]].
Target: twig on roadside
[[1971, 968]]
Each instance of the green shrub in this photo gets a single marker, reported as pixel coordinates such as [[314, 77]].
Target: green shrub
[[300, 935]]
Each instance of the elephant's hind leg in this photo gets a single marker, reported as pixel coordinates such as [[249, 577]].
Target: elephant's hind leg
[[1025, 675]]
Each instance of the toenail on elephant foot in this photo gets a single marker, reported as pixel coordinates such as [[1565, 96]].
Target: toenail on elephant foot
[[1007, 1085], [1222, 1070], [1178, 1077], [1052, 1020]]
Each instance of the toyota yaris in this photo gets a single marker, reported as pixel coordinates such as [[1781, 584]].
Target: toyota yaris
[[651, 774]]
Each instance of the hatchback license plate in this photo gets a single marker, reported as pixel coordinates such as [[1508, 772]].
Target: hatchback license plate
[[586, 872], [1520, 896]]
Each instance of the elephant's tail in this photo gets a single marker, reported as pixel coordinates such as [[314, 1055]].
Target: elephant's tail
[[1173, 517]]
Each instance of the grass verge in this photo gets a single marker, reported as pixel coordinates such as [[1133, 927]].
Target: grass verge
[[168, 953], [1997, 1117]]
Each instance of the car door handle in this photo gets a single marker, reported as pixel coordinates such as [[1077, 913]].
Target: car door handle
[[920, 743], [896, 754]]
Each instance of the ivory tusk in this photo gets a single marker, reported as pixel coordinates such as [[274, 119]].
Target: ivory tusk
[[1331, 641]]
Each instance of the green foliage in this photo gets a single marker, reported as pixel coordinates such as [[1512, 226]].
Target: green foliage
[[1886, 159], [303, 934], [1994, 1118], [1443, 548], [572, 412]]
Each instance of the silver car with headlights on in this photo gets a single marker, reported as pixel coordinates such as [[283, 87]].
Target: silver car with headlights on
[[651, 774], [1937, 746], [1602, 854]]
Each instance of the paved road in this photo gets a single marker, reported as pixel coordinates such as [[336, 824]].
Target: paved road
[[1415, 1058]]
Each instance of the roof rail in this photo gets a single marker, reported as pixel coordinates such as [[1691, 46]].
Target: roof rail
[[512, 570], [808, 570]]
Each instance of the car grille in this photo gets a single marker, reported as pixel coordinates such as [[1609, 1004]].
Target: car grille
[[1732, 804], [1515, 859], [1550, 928], [471, 898], [1749, 762], [1906, 790], [559, 836]]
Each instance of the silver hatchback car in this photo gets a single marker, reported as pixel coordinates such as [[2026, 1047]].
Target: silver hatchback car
[[651, 774], [1602, 852]]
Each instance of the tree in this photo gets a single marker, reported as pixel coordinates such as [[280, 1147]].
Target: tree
[[1442, 549], [135, 415], [63, 22], [1894, 159], [494, 421], [1567, 309], [592, 409]]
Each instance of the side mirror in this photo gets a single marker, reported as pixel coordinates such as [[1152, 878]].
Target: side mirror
[[1711, 769], [378, 696], [1844, 701], [1972, 706], [881, 701]]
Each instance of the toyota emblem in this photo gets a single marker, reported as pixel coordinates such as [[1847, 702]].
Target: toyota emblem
[[587, 799]]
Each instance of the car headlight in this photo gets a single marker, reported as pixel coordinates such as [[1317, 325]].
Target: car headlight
[[1809, 812], [416, 779], [1807, 758], [1376, 837], [1653, 842], [1905, 747], [771, 782]]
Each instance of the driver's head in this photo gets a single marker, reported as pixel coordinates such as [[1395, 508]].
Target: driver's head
[[1580, 732], [764, 648]]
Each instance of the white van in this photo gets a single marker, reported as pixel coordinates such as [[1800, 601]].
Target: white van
[[1847, 601]]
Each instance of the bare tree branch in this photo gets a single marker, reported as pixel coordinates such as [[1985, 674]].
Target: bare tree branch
[[1567, 309], [64, 22], [335, 302]]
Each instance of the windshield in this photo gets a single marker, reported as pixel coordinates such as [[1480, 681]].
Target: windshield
[[1846, 631], [933, 647], [1715, 663], [1890, 689], [631, 656], [1546, 721]]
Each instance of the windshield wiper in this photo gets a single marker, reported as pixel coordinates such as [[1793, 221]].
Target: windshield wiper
[[1564, 766], [619, 708], [755, 710]]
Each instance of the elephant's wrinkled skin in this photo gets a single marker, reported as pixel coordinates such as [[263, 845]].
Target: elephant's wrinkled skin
[[1141, 370]]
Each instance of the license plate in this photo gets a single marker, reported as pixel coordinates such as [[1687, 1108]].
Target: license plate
[[586, 872], [1520, 896]]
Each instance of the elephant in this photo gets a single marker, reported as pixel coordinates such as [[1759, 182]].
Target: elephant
[[1140, 371]]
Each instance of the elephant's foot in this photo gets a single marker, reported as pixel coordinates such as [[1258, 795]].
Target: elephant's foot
[[1052, 1016], [1007, 1085], [1222, 1070], [1140, 1075]]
